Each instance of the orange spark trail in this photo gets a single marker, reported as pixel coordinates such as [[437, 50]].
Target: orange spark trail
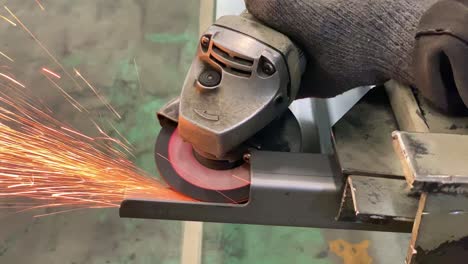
[[120, 134], [40, 5], [8, 58], [67, 96], [12, 80], [46, 50], [46, 164], [8, 20], [51, 73], [101, 98]]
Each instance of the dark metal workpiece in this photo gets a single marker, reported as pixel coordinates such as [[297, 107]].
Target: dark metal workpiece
[[287, 189], [441, 230], [435, 166], [378, 200], [362, 138], [433, 162]]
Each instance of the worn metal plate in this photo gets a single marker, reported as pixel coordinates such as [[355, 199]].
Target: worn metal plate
[[363, 137], [433, 158], [378, 200], [381, 198], [442, 230]]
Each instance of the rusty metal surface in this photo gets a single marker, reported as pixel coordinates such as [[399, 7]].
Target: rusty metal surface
[[381, 198], [362, 137], [433, 158], [442, 230], [378, 200]]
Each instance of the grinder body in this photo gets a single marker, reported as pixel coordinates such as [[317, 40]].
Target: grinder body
[[234, 100], [244, 76]]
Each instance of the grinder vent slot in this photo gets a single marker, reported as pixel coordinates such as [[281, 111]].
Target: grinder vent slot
[[243, 61], [223, 65], [240, 72], [231, 63], [220, 52]]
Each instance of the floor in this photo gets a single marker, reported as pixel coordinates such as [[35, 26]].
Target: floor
[[137, 52]]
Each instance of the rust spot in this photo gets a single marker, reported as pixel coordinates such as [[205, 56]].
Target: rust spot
[[351, 253]]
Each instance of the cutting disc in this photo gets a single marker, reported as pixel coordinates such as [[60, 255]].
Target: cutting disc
[[180, 169]]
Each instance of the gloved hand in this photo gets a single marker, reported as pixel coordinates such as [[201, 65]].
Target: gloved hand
[[353, 43]]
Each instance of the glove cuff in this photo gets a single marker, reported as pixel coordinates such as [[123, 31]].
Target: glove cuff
[[441, 56]]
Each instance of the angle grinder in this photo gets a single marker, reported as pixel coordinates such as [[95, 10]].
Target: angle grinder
[[235, 98]]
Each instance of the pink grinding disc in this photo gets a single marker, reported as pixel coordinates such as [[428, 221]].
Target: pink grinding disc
[[182, 159]]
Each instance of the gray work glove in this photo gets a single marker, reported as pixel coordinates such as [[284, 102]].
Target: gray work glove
[[353, 43]]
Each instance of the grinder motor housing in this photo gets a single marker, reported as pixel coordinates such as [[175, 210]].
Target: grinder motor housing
[[244, 75]]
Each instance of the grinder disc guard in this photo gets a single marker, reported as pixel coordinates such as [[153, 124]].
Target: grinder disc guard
[[177, 164]]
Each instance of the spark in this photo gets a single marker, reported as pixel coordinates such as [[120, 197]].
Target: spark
[[108, 138], [8, 58], [138, 76], [51, 73], [54, 166], [120, 134], [12, 80], [40, 5], [8, 20], [77, 133], [67, 96], [240, 179], [44, 48], [95, 91]]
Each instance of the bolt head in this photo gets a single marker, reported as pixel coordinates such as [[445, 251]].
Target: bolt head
[[268, 68], [247, 157], [209, 78], [205, 41]]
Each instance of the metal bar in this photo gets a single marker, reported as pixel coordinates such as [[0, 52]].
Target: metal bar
[[405, 107], [428, 158], [440, 234], [435, 164], [440, 231], [362, 138], [379, 201], [287, 189]]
